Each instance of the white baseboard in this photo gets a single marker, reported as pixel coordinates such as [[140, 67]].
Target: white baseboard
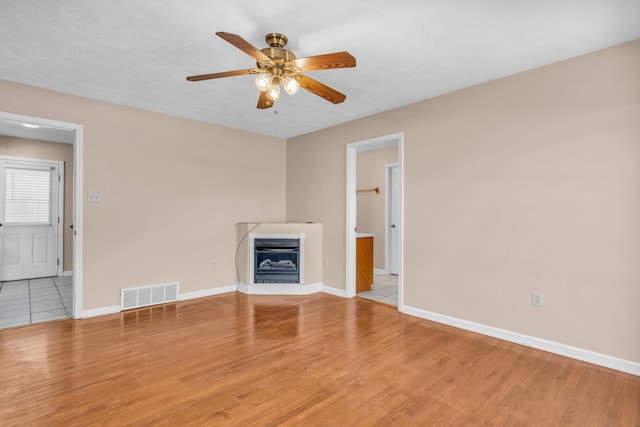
[[380, 271], [207, 292], [334, 291], [280, 288], [181, 297], [67, 273], [100, 311], [530, 341]]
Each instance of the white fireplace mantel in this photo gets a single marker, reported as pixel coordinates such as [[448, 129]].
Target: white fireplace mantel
[[310, 269]]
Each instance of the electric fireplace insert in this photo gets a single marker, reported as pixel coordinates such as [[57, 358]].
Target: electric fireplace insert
[[276, 260]]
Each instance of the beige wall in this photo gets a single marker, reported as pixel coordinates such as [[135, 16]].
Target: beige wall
[[371, 173], [172, 190], [33, 149], [527, 183]]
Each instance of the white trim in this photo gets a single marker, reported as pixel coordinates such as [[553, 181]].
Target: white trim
[[207, 292], [77, 130], [181, 297], [276, 236], [100, 311], [387, 197], [379, 271], [67, 273], [280, 288], [530, 341], [350, 288], [334, 291], [78, 220], [401, 208], [396, 139]]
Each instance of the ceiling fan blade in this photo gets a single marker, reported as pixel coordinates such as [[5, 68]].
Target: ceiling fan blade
[[223, 74], [264, 102], [320, 89], [326, 61], [243, 45]]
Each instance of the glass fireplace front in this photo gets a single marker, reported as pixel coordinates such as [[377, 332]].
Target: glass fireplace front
[[276, 260]]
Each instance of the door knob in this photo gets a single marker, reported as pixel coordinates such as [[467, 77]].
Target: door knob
[[393, 226]]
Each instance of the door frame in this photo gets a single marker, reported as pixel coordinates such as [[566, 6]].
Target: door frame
[[77, 131], [393, 140], [60, 165], [388, 205]]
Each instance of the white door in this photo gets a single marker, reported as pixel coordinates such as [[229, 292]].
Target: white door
[[394, 220], [29, 218]]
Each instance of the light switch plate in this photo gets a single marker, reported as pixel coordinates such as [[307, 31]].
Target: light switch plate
[[93, 197]]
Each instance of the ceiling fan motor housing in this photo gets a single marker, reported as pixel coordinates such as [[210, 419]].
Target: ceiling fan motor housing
[[276, 50], [280, 56], [276, 39]]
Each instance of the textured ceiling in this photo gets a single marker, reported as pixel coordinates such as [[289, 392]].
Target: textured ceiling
[[138, 52]]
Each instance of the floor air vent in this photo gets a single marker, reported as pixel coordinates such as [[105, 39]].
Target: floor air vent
[[148, 295]]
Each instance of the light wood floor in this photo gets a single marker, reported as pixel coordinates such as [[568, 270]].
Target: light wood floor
[[245, 360]]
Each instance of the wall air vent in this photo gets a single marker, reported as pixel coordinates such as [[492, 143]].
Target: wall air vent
[[148, 295]]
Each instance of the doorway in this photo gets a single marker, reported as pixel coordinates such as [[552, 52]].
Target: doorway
[[31, 218], [38, 128], [394, 140]]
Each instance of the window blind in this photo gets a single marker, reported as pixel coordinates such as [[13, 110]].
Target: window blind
[[27, 196]]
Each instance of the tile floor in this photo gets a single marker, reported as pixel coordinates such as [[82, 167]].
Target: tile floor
[[384, 289], [23, 302]]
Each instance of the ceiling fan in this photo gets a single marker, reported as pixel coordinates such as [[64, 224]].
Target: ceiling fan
[[276, 65]]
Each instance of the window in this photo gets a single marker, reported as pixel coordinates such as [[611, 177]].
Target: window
[[27, 196]]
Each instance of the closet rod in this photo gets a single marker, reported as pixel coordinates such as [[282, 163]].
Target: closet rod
[[368, 190]]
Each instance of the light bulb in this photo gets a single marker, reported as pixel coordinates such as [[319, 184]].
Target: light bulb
[[262, 82], [274, 92], [290, 85]]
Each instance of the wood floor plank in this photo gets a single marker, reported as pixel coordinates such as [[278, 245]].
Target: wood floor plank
[[238, 359]]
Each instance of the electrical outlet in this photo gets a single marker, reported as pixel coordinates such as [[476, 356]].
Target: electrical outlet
[[326, 262], [536, 299]]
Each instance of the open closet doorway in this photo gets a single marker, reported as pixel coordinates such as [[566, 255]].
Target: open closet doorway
[[24, 138], [381, 227]]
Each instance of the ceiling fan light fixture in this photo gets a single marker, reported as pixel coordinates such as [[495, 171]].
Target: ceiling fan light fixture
[[291, 85], [274, 91], [263, 82]]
